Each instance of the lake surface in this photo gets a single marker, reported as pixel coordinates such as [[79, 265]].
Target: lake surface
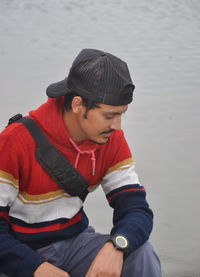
[[160, 41]]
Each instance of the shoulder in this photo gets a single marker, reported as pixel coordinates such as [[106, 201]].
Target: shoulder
[[117, 142], [116, 150], [15, 133], [113, 145], [115, 138]]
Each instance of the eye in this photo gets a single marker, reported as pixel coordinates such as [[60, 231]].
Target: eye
[[108, 117]]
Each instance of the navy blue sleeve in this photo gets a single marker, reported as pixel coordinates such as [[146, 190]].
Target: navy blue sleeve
[[132, 216], [16, 259]]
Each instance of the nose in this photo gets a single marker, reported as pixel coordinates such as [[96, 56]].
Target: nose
[[116, 123]]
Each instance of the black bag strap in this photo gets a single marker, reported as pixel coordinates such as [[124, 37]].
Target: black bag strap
[[53, 161]]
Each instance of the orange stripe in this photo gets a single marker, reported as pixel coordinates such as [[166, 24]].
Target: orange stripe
[[55, 227], [119, 166], [9, 178]]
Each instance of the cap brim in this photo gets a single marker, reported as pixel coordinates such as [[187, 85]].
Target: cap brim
[[57, 89]]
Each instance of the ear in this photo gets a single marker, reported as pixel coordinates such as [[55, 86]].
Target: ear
[[77, 104]]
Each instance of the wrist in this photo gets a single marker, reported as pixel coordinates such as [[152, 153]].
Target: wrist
[[121, 243], [114, 248]]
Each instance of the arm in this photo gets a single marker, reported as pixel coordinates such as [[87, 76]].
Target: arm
[[16, 259], [133, 219], [108, 262], [132, 216]]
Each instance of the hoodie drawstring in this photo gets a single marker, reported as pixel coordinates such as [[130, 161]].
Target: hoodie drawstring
[[91, 152]]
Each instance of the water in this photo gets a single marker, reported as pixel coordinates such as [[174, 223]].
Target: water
[[160, 40]]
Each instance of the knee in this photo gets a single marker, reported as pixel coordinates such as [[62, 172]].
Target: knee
[[146, 254], [143, 261], [145, 251]]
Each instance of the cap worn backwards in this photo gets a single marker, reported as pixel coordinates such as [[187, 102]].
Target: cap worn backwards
[[98, 76]]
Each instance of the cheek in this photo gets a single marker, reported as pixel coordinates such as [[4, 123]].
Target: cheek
[[97, 125]]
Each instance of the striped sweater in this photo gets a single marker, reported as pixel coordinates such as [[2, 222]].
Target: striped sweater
[[35, 211]]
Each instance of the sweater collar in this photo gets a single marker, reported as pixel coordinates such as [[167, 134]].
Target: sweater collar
[[49, 117]]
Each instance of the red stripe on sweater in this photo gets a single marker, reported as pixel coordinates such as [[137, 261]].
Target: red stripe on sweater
[[109, 198], [55, 227], [5, 216]]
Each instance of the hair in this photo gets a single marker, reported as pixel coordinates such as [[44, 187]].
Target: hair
[[89, 104]]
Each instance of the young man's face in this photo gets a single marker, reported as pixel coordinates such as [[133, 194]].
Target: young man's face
[[97, 124]]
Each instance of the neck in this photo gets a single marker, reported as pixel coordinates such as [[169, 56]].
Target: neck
[[71, 123]]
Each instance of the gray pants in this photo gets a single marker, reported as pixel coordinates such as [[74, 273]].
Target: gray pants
[[76, 254]]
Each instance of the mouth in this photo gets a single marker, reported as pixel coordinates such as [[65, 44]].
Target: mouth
[[107, 134], [103, 136]]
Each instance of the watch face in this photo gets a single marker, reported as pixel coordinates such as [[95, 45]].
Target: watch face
[[121, 241]]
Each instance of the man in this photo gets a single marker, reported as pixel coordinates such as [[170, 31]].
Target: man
[[43, 229]]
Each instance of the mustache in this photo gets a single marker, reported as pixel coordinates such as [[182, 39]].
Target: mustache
[[107, 132]]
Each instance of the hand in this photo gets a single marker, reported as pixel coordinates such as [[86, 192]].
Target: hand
[[107, 263], [47, 269]]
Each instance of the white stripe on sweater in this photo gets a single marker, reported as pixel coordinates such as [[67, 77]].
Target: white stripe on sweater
[[34, 213], [119, 178]]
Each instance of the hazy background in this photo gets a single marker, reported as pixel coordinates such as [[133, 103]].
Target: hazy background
[[160, 41]]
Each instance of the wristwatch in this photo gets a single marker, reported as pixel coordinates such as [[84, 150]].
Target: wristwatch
[[120, 242]]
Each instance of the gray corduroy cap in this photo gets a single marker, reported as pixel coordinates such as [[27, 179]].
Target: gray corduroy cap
[[98, 76]]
